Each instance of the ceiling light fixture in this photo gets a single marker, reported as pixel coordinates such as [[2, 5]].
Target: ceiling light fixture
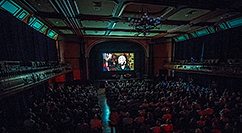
[[97, 5], [145, 23]]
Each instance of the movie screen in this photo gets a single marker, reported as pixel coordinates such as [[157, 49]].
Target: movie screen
[[118, 61]]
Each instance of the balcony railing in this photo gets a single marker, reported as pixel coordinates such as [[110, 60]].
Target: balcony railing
[[15, 77], [230, 68]]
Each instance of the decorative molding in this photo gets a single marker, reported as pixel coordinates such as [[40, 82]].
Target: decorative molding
[[90, 42]]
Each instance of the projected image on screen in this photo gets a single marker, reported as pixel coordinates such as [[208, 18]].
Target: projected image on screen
[[118, 61]]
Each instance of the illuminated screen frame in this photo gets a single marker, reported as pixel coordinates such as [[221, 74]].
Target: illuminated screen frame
[[113, 61]]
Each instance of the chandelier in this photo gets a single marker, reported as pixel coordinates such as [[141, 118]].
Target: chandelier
[[145, 23]]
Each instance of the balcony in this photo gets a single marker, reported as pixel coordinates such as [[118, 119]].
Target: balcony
[[15, 77], [231, 68]]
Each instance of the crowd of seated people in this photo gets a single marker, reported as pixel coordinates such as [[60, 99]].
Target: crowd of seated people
[[170, 106], [72, 109]]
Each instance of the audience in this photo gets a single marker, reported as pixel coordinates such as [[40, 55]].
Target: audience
[[168, 127], [65, 110], [176, 106], [113, 119], [137, 106], [96, 124]]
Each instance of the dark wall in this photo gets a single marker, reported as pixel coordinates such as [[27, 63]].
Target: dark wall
[[70, 53], [186, 49], [222, 45], [96, 59], [20, 42], [161, 53]]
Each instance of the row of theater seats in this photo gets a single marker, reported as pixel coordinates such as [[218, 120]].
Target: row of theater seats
[[14, 68]]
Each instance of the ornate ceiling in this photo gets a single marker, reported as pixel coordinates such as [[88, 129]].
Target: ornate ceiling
[[110, 18]]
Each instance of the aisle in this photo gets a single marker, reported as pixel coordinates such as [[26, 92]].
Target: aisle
[[105, 110]]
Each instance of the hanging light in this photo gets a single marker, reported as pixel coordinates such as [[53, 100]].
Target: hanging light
[[145, 23]]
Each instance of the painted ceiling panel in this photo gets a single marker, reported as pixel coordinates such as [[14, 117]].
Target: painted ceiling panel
[[90, 32], [235, 22], [97, 7], [202, 32], [43, 28], [223, 16], [136, 10], [120, 33], [41, 5], [37, 25], [22, 15], [10, 7], [57, 22], [66, 31], [188, 14], [148, 34], [121, 25], [191, 28], [163, 27], [171, 35], [95, 24]]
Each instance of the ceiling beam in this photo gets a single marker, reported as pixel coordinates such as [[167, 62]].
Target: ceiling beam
[[66, 10], [122, 30], [50, 15], [204, 24]]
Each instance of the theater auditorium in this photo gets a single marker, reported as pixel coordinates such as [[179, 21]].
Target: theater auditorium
[[120, 66]]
